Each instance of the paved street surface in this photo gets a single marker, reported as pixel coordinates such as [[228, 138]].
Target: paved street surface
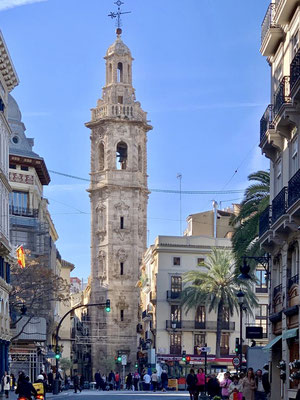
[[86, 395]]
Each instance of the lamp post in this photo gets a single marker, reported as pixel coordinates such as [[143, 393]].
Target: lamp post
[[240, 296]]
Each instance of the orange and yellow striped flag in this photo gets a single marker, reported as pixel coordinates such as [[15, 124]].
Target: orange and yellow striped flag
[[21, 256]]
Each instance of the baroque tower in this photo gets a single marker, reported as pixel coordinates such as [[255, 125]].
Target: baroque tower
[[119, 197]]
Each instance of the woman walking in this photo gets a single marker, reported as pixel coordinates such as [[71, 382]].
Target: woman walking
[[225, 386], [191, 381], [248, 385], [6, 384], [200, 385]]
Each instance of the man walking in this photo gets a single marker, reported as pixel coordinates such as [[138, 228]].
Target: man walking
[[76, 383], [262, 385]]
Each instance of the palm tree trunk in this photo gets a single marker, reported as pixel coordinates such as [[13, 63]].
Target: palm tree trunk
[[219, 329]]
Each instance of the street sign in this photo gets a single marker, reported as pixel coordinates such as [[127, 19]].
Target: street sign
[[236, 361], [254, 332], [204, 349], [124, 359]]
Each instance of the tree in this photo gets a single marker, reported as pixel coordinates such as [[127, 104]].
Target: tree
[[65, 364], [246, 223], [215, 285], [34, 289]]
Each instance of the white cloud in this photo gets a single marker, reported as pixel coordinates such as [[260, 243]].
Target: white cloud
[[5, 4]]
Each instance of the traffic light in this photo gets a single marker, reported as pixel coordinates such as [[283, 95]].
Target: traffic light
[[183, 358], [188, 359], [237, 346], [119, 359], [57, 355], [107, 305], [136, 365]]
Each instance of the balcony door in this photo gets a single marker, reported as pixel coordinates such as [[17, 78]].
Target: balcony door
[[175, 343], [200, 317], [176, 285], [176, 315]]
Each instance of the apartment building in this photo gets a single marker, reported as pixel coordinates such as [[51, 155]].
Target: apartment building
[[280, 223], [8, 81]]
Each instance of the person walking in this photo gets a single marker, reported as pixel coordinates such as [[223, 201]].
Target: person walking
[[164, 380], [146, 380], [225, 386], [213, 386], [200, 385], [76, 383], [235, 389], [136, 378], [5, 381], [111, 380], [117, 379], [129, 381], [81, 382], [98, 380], [262, 385], [191, 381], [248, 384], [154, 380]]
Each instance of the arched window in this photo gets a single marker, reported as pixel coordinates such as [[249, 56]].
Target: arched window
[[140, 159], [110, 73], [101, 156], [129, 74], [120, 72], [121, 155]]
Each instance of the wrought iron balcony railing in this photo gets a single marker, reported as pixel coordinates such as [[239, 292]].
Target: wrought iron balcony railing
[[173, 324], [176, 350], [269, 21], [277, 290], [203, 325], [294, 189], [282, 94], [172, 295], [294, 280], [265, 221], [295, 70], [279, 205], [23, 212], [266, 122]]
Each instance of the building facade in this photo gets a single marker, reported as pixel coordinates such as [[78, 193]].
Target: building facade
[[119, 196], [8, 81], [279, 224]]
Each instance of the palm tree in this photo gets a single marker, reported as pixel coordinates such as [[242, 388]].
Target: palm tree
[[215, 286], [246, 223]]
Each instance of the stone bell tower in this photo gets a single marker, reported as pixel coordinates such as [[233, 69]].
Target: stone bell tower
[[119, 196]]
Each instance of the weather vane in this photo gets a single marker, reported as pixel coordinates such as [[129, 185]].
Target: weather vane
[[118, 14]]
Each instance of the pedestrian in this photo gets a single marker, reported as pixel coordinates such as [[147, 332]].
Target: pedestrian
[[248, 384], [136, 378], [76, 383], [12, 382], [147, 380], [117, 379], [129, 381], [262, 385], [191, 381], [235, 389], [5, 381], [200, 385], [81, 382], [225, 386], [111, 380], [98, 380], [213, 386], [50, 380], [154, 380], [164, 380]]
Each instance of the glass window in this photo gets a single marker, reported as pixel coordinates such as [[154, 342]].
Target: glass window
[[176, 284], [261, 283], [175, 313], [176, 260], [200, 261], [294, 156], [200, 314], [19, 200], [224, 344], [175, 343], [199, 340], [278, 176]]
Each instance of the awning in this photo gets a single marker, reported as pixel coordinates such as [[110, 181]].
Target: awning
[[290, 333], [272, 342]]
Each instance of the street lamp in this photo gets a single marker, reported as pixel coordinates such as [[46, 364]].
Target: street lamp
[[240, 298]]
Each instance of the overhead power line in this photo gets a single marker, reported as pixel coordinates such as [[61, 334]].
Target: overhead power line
[[193, 192]]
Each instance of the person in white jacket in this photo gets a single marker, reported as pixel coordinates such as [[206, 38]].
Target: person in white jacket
[[6, 384]]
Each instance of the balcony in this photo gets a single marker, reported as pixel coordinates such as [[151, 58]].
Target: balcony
[[266, 122], [294, 189], [176, 350], [201, 325], [277, 301], [23, 212], [295, 74], [279, 205], [282, 95], [271, 32], [285, 10], [145, 315], [293, 291], [153, 298], [265, 221], [173, 296]]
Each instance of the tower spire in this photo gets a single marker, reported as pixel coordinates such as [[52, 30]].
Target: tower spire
[[117, 15]]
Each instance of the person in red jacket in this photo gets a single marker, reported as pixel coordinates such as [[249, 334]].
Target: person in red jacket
[[200, 385]]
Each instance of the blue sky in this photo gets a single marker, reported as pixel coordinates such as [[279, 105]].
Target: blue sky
[[197, 72]]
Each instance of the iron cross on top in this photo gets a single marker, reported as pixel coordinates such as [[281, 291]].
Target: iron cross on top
[[118, 13]]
